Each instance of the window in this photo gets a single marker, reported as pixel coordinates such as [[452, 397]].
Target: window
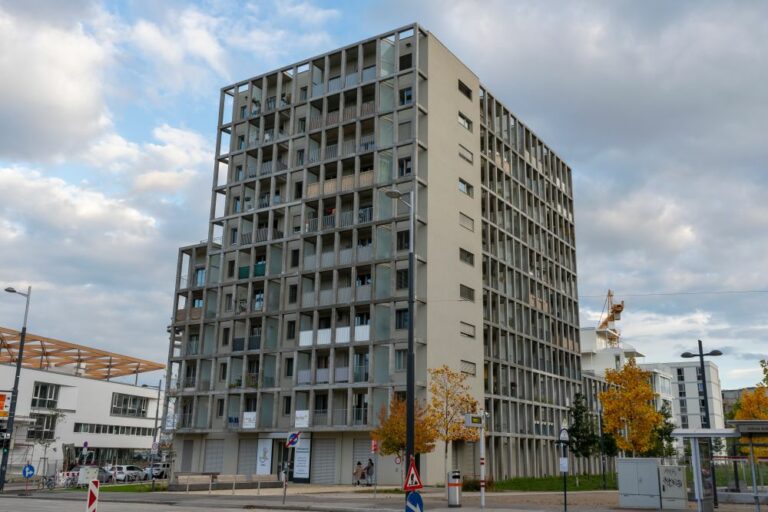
[[197, 303], [289, 367], [199, 276], [44, 426], [467, 293], [467, 330], [300, 156], [240, 141], [680, 374], [243, 111], [290, 329], [466, 188], [401, 359], [404, 167], [321, 404], [468, 367], [301, 128], [465, 122], [466, 257], [129, 405], [220, 407], [45, 396], [303, 93], [403, 240], [466, 222], [225, 337], [401, 319], [404, 131], [406, 96], [233, 236], [231, 268], [465, 90], [406, 61], [286, 406], [684, 421], [293, 293], [401, 279], [294, 258], [466, 154], [222, 371], [681, 390]]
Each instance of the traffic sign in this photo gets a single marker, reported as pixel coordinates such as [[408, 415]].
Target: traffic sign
[[412, 479], [293, 440], [414, 503], [155, 447], [398, 461], [374, 446], [28, 471], [473, 420], [93, 496]]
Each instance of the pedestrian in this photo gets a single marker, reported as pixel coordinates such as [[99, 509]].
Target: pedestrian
[[358, 473], [369, 473]]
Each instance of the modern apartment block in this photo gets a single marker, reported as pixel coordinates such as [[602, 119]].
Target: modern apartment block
[[292, 313]]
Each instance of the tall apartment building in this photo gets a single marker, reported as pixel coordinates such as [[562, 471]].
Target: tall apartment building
[[292, 313]]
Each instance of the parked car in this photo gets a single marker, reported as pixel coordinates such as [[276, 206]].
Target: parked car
[[105, 477], [157, 470], [128, 473]]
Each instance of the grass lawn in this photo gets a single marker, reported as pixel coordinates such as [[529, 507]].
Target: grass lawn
[[132, 487], [555, 483]]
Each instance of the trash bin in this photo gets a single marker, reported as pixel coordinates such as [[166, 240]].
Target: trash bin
[[454, 488]]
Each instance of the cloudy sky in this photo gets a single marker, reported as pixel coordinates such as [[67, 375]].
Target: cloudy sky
[[107, 123]]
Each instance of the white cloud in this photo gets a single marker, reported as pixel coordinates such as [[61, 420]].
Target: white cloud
[[163, 181], [113, 152], [52, 91], [305, 12]]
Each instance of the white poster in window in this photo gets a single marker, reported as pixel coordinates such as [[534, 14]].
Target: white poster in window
[[264, 457], [301, 458], [302, 419], [249, 419]]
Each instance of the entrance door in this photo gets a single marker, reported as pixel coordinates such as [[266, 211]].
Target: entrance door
[[186, 455]]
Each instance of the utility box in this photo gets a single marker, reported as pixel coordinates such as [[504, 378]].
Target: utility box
[[639, 483], [674, 491]]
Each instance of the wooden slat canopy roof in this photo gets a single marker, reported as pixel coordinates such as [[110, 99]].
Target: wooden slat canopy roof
[[48, 353]]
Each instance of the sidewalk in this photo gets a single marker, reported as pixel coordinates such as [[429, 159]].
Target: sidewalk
[[350, 499]]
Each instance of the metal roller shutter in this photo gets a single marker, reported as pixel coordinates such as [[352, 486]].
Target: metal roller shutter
[[361, 452], [247, 458], [214, 456], [323, 461]]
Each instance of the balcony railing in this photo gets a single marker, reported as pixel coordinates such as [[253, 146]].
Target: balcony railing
[[189, 381], [348, 147], [304, 377], [331, 151], [323, 336], [342, 333], [361, 373], [345, 255], [326, 296], [341, 374], [315, 121], [367, 143], [254, 342], [345, 295], [334, 84], [365, 215], [364, 252], [266, 168], [366, 179], [360, 416], [320, 417], [368, 108], [311, 225], [346, 218], [269, 381], [305, 338], [340, 416], [362, 332], [322, 375], [252, 379], [329, 187], [332, 117], [329, 221], [238, 344], [313, 189], [350, 111], [308, 299], [369, 73]]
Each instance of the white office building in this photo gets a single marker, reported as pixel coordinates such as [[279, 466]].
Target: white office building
[[67, 398]]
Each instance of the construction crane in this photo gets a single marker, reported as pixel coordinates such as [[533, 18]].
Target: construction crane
[[612, 312]]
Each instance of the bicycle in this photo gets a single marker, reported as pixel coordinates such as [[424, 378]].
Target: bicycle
[[46, 482], [70, 482]]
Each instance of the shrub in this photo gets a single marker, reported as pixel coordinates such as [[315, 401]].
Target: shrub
[[473, 484]]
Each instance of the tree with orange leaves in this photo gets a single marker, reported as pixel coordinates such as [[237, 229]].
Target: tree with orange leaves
[[390, 434], [629, 413], [753, 405], [450, 400]]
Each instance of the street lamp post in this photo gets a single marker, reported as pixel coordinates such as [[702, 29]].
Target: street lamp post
[[410, 391], [15, 392], [706, 423]]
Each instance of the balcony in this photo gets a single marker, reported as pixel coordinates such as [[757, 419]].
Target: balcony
[[314, 155], [350, 111], [367, 143], [360, 373], [329, 187], [329, 221], [238, 344], [346, 218], [311, 225], [345, 295], [305, 338], [254, 342], [259, 269], [332, 117], [320, 417], [324, 336], [258, 304], [252, 380], [308, 299], [366, 179], [345, 256], [342, 333], [266, 168], [340, 416], [326, 297], [262, 234], [341, 374], [348, 148], [313, 189], [331, 151], [369, 73], [369, 107], [304, 377], [322, 376], [189, 381], [334, 84], [365, 215], [195, 313], [360, 416], [315, 122], [362, 332]]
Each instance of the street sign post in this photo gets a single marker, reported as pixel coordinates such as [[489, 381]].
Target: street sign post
[[412, 478], [93, 496], [290, 442], [563, 440], [27, 472], [414, 503], [478, 421]]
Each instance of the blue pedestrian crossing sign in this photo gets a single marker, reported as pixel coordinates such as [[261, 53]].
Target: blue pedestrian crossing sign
[[28, 471], [414, 503]]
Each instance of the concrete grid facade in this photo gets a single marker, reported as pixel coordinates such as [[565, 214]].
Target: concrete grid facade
[[295, 306]]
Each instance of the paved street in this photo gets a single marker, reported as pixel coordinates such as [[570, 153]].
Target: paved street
[[337, 499]]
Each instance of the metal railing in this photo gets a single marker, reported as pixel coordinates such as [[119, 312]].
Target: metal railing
[[254, 342], [341, 374], [359, 415], [331, 151], [340, 416], [365, 215], [367, 143], [369, 73], [332, 117], [349, 112], [360, 373], [368, 107]]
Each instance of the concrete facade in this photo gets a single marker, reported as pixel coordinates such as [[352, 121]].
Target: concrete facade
[[56, 413], [292, 314]]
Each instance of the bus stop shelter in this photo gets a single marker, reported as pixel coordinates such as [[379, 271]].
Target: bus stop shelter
[[751, 429], [701, 462]]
